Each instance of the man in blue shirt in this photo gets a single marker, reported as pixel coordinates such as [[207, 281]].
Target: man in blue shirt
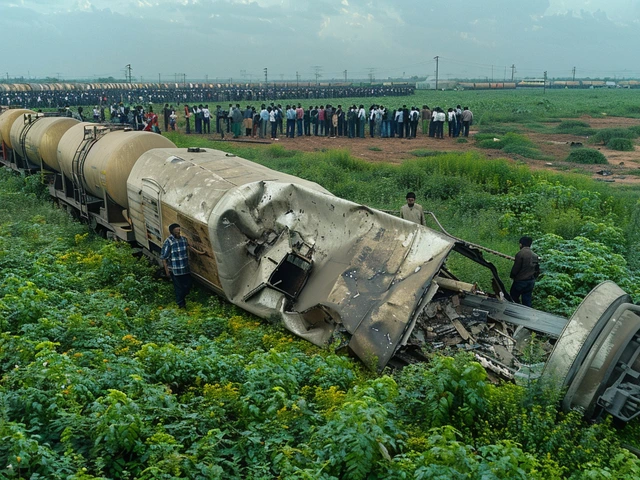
[[175, 257]]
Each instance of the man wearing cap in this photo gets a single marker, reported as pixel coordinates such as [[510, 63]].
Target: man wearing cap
[[412, 211], [175, 257], [524, 272]]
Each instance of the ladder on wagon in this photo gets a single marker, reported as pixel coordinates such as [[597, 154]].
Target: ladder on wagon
[[92, 133]]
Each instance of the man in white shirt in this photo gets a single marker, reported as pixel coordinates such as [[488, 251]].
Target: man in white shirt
[[206, 120]]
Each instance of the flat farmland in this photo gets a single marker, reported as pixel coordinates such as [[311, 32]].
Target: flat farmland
[[537, 115]]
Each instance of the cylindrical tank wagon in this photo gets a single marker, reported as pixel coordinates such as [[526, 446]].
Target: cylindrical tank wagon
[[101, 160], [41, 140]]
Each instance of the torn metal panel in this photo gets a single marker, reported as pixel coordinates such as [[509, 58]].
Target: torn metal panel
[[370, 270], [285, 248]]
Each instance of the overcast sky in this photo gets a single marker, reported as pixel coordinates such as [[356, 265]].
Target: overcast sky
[[223, 39]]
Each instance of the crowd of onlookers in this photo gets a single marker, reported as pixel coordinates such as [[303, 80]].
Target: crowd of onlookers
[[59, 98], [324, 120], [291, 120]]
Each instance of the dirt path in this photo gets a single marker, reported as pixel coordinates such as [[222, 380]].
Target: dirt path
[[555, 146]]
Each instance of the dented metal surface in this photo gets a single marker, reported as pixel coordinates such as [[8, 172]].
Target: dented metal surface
[[331, 270], [285, 248]]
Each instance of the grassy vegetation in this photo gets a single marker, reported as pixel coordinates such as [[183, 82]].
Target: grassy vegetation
[[103, 377], [574, 127], [586, 156], [605, 135], [513, 143], [621, 144]]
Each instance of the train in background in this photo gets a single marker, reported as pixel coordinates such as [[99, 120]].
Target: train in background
[[329, 270], [90, 88]]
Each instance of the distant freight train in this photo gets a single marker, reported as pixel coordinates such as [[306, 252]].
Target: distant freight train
[[329, 270], [90, 88]]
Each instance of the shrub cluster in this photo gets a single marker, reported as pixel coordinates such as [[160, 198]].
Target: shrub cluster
[[621, 144], [586, 156], [509, 143], [574, 127]]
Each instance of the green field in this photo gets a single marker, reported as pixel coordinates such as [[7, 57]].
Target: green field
[[103, 377]]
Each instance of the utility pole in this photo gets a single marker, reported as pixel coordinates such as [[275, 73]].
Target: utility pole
[[436, 59], [491, 73], [513, 70], [345, 76], [184, 79], [317, 70], [297, 80], [574, 74], [372, 76], [544, 88], [128, 72], [266, 78], [159, 80]]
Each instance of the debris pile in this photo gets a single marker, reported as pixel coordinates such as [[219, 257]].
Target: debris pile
[[505, 349]]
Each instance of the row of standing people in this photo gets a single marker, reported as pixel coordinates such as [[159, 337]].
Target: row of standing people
[[328, 121]]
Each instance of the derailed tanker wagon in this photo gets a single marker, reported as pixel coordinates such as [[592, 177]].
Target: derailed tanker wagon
[[332, 270]]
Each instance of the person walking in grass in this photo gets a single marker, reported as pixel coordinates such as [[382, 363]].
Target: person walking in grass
[[412, 211]]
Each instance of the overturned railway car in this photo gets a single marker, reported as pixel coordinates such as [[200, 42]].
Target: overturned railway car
[[330, 270]]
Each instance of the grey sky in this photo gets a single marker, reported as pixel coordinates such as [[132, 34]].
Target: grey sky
[[236, 39]]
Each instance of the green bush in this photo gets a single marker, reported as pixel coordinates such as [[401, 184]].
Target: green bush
[[509, 143], [586, 156], [575, 127], [621, 144], [606, 134]]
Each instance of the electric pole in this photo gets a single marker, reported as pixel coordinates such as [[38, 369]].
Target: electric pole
[[317, 70], [372, 76], [159, 81], [544, 88], [574, 74], [436, 59], [345, 76], [513, 70], [128, 72], [297, 80]]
